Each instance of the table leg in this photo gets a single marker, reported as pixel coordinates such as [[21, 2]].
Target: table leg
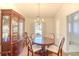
[[43, 51]]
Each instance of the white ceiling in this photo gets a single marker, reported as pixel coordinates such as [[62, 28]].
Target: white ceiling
[[35, 9]]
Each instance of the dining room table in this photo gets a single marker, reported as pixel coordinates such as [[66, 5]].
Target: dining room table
[[43, 42]]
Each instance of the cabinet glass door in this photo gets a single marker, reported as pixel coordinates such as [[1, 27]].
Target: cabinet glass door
[[21, 29], [14, 28], [5, 28]]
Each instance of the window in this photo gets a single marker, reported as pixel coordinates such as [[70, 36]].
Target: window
[[76, 28], [69, 27], [38, 28]]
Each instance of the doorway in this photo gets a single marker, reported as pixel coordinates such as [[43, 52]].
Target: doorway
[[73, 32]]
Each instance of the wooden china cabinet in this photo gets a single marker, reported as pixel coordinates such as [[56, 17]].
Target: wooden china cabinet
[[12, 31]]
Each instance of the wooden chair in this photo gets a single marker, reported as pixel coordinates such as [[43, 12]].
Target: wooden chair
[[26, 37], [52, 36], [32, 49], [32, 36], [57, 50]]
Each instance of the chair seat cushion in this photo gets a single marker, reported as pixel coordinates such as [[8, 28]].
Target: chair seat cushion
[[36, 48], [53, 48]]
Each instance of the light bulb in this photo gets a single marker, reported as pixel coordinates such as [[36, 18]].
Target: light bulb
[[35, 20], [42, 19]]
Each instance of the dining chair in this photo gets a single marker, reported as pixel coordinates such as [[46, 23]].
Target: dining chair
[[52, 36], [32, 49], [57, 50], [26, 37], [32, 36]]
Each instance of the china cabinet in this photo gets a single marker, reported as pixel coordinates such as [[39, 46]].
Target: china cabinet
[[12, 30]]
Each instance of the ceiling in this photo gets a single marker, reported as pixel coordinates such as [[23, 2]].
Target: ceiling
[[35, 9]]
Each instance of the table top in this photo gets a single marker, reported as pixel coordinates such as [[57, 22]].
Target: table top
[[42, 41]]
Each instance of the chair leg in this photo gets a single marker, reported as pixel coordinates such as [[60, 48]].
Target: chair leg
[[58, 53], [32, 53], [61, 52], [28, 52]]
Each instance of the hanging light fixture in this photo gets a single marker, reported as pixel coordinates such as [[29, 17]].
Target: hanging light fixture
[[39, 18]]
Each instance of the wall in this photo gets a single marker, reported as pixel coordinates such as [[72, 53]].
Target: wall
[[61, 18], [28, 25], [50, 25]]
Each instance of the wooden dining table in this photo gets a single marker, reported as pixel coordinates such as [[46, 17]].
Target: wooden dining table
[[43, 42]]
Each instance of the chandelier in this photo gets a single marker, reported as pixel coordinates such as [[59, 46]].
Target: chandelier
[[38, 18]]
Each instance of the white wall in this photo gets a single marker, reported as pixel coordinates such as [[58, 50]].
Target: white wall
[[50, 25]]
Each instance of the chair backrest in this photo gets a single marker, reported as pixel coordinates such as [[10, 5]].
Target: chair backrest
[[25, 35], [32, 36], [29, 45], [52, 36], [61, 46]]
